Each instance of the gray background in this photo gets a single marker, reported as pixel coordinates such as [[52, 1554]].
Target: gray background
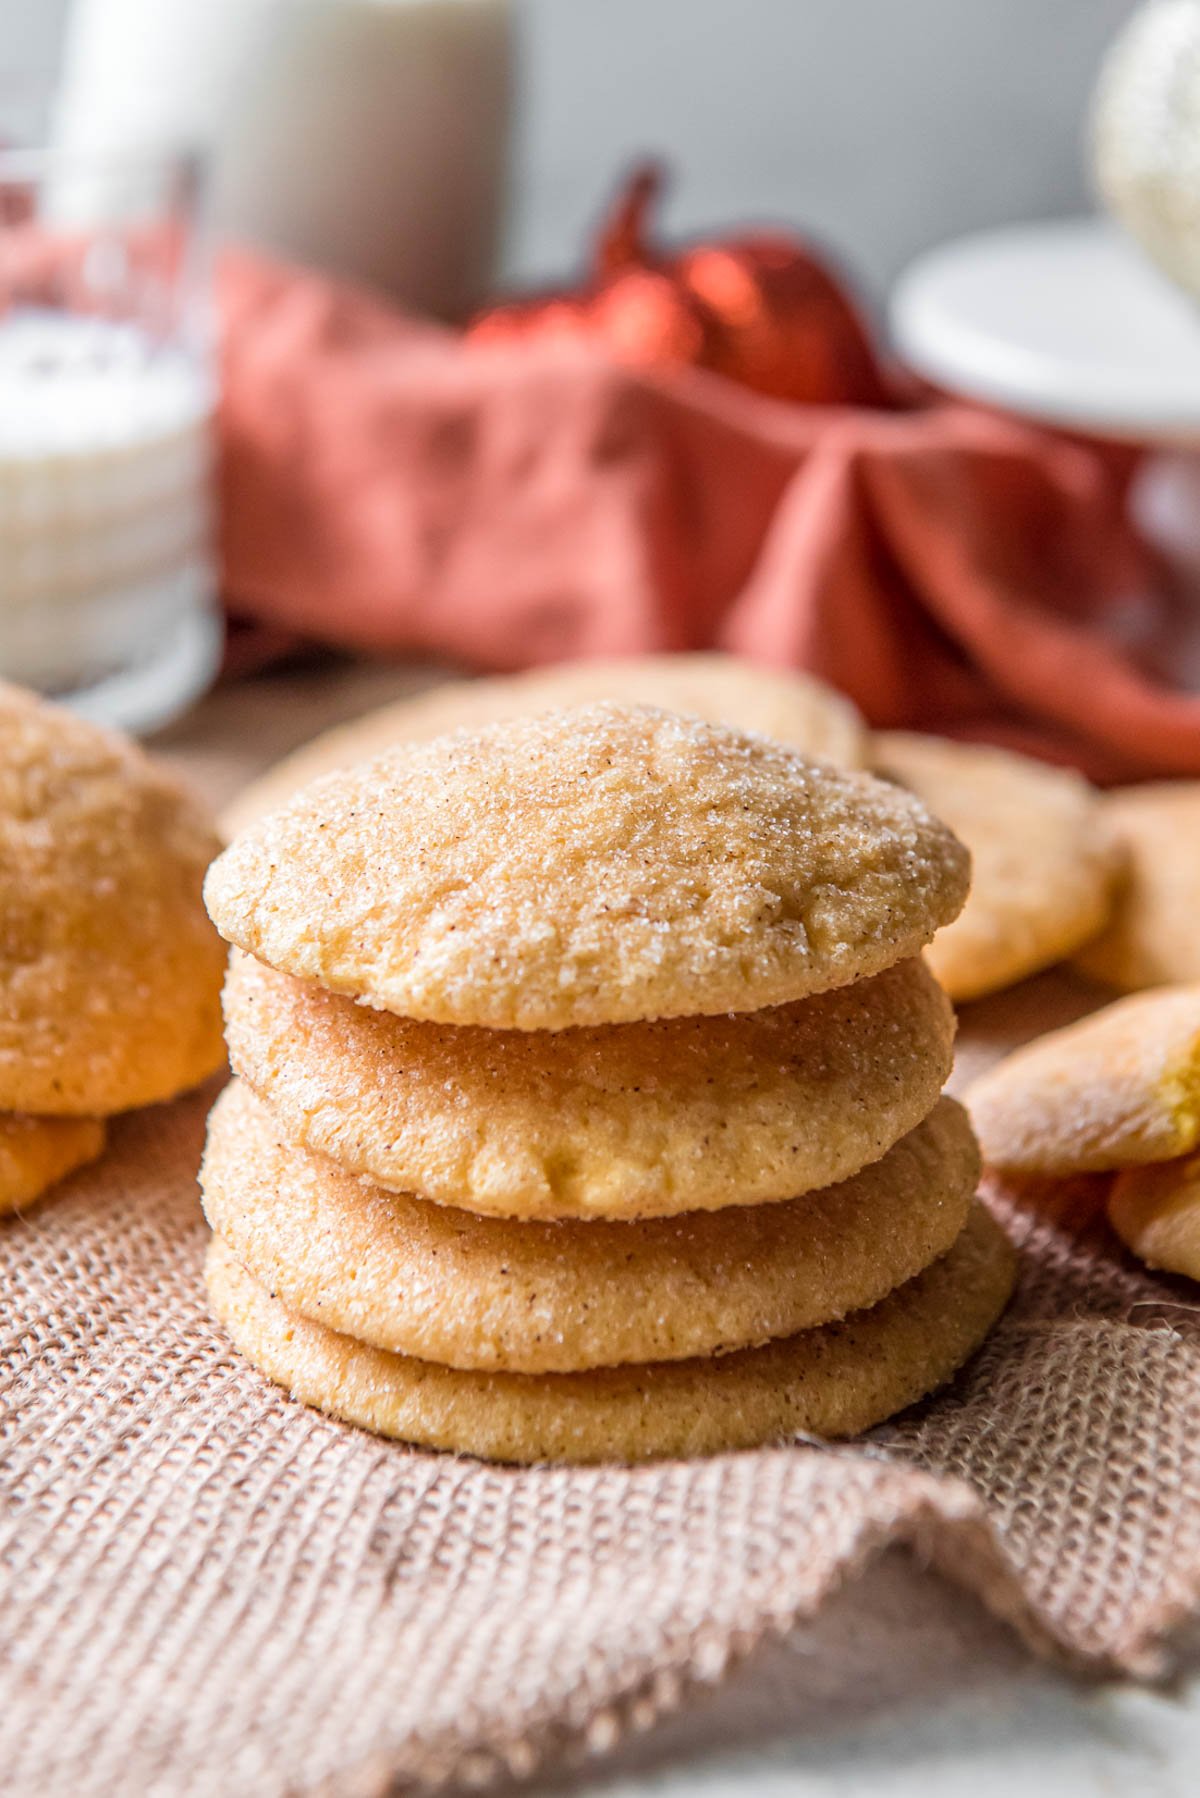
[[881, 125]]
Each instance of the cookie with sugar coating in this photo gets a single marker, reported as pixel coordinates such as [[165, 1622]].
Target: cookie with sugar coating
[[834, 1381], [1044, 863], [1155, 1210], [597, 866], [444, 1285], [1152, 937], [1117, 1089], [110, 972], [792, 707], [628, 1120], [36, 1153]]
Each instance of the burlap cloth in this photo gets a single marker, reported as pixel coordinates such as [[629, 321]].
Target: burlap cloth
[[205, 1588]]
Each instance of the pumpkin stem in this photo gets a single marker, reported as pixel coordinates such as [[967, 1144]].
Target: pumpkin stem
[[622, 239]]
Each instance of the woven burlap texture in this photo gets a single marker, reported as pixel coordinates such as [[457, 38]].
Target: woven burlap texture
[[208, 1588]]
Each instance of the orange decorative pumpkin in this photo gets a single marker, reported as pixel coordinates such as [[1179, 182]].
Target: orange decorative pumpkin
[[760, 309]]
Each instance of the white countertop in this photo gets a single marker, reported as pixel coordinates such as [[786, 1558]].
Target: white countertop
[[967, 1712]]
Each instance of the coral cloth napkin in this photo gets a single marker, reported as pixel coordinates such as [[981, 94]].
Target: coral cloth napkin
[[387, 487]]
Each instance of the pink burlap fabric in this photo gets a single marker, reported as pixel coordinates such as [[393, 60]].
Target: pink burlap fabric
[[206, 1588]]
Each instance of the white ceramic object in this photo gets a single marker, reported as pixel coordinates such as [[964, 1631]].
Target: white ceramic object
[[1068, 324], [1064, 322], [1146, 134]]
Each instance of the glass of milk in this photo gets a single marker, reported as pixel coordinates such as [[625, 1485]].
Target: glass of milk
[[107, 393], [365, 137]]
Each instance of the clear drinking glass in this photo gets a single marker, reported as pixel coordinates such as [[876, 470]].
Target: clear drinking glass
[[107, 397]]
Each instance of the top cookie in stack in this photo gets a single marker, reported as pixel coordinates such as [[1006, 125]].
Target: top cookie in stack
[[534, 1016], [598, 866]]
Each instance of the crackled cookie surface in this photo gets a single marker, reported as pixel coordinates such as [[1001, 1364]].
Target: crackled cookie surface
[[36, 1153], [794, 708], [474, 1292], [110, 972], [1119, 1088], [595, 866], [833, 1381], [635, 1120], [1043, 860]]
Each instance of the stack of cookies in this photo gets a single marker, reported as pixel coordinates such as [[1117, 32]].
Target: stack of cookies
[[587, 1100], [1151, 938]]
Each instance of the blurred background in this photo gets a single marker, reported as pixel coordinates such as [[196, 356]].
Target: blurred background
[[859, 340], [832, 116]]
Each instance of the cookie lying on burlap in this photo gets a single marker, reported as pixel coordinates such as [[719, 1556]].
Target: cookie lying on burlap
[[37, 1152], [633, 1120], [110, 972], [1152, 938], [1155, 1210], [833, 1381], [1118, 1089], [794, 708], [599, 866], [1043, 860], [469, 1292]]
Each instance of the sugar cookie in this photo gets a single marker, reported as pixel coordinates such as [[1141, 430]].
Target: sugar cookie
[[598, 866], [473, 1292], [36, 1153], [110, 973], [1118, 1088], [1156, 1213], [1043, 861], [834, 1381], [635, 1120], [1152, 938]]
